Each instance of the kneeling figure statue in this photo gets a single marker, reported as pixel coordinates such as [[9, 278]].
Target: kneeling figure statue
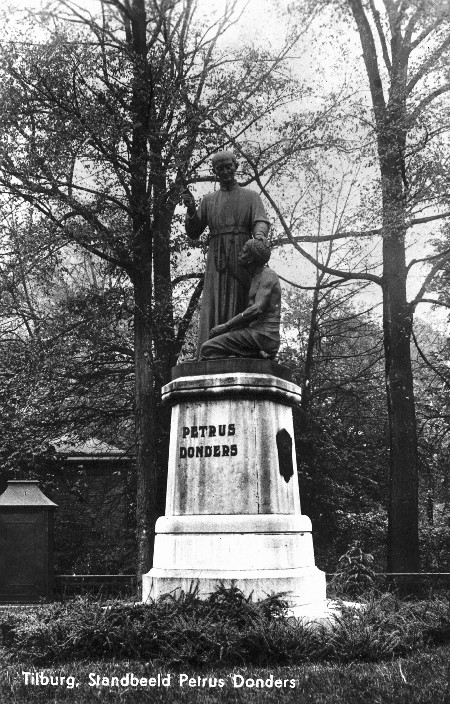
[[256, 331]]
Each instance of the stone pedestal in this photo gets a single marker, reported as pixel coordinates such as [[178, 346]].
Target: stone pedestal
[[233, 507]]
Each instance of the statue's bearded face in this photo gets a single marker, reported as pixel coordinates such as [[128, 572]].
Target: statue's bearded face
[[225, 170]]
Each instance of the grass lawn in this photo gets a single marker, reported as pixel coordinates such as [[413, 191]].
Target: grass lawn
[[422, 678]]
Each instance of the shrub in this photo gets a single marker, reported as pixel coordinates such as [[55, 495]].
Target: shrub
[[371, 529], [435, 548], [354, 573], [227, 629]]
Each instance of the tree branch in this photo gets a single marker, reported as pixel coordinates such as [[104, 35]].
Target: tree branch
[[427, 64], [187, 277], [433, 301], [370, 59], [427, 361], [187, 317], [426, 101], [430, 276], [345, 275], [376, 17]]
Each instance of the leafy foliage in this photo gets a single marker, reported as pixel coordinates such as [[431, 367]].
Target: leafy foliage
[[226, 629], [342, 454], [354, 573]]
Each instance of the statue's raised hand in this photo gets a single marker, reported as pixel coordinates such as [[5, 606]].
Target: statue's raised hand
[[189, 201]]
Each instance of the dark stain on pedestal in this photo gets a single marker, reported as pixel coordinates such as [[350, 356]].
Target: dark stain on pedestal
[[284, 447], [181, 489], [265, 488]]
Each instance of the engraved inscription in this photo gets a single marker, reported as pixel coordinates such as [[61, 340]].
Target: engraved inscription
[[196, 432]]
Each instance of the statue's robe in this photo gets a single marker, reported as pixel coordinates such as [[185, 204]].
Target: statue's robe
[[232, 217]]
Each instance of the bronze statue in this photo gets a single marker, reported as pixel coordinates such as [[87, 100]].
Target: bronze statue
[[256, 331], [232, 214]]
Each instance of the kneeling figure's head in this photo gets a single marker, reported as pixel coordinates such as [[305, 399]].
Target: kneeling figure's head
[[255, 251]]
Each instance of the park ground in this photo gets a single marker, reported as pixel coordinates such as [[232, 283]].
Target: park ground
[[422, 678], [226, 649]]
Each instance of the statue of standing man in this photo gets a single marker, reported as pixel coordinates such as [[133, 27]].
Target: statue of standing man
[[232, 215]]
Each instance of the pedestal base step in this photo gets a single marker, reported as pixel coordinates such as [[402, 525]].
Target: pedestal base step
[[300, 586]]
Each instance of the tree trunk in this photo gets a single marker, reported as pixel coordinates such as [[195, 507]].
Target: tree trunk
[[391, 125], [403, 548], [309, 357], [146, 460], [163, 317], [164, 335]]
